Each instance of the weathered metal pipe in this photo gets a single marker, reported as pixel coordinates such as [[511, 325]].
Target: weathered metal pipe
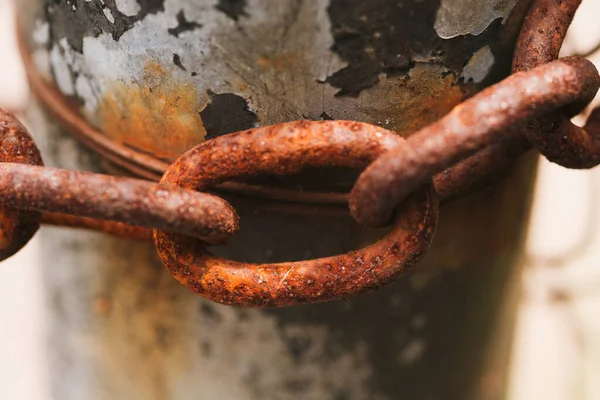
[[141, 81]]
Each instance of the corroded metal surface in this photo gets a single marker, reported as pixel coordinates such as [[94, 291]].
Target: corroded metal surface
[[399, 169], [17, 227], [117, 229], [463, 17], [119, 325], [146, 336], [136, 202], [382, 62], [477, 123], [555, 136], [284, 149], [280, 149], [131, 202]]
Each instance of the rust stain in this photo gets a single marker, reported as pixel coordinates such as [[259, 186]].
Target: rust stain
[[279, 62], [405, 104], [158, 114], [102, 306], [427, 98]]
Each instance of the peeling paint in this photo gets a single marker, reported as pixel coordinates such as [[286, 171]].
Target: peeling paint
[[41, 56], [227, 113], [287, 60], [467, 17], [76, 20], [183, 25], [129, 8], [41, 33], [177, 62], [427, 93], [234, 9], [62, 70], [479, 66], [370, 40]]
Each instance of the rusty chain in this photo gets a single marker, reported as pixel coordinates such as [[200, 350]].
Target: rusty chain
[[479, 137], [498, 122]]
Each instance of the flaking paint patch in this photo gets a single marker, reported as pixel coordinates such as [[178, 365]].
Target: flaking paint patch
[[479, 66], [63, 74], [129, 8], [234, 9], [404, 104], [469, 17], [113, 82], [41, 56], [276, 49], [156, 114]]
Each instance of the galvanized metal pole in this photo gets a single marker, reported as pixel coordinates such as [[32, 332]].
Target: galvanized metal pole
[[157, 77]]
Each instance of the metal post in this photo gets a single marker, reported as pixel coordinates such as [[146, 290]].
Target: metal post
[[160, 76]]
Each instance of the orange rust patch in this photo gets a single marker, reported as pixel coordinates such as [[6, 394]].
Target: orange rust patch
[[158, 114], [280, 62], [431, 97], [407, 104], [102, 306]]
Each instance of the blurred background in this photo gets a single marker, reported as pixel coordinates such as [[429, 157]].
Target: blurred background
[[556, 354]]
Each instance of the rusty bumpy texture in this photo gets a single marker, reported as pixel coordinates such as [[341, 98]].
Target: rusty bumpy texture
[[180, 214], [137, 202], [555, 136], [17, 226], [475, 140], [286, 149], [120, 206], [540, 41], [506, 137], [470, 127]]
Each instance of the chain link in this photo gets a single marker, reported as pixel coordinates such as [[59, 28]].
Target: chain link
[[477, 123], [479, 138]]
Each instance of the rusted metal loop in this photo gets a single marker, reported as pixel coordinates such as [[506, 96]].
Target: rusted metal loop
[[17, 227], [531, 51], [121, 206], [110, 198], [555, 136], [284, 149], [471, 126]]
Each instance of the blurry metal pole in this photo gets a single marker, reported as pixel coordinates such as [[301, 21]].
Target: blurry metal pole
[[161, 75]]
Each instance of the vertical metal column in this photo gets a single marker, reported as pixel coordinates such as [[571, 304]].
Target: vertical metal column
[[161, 75]]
